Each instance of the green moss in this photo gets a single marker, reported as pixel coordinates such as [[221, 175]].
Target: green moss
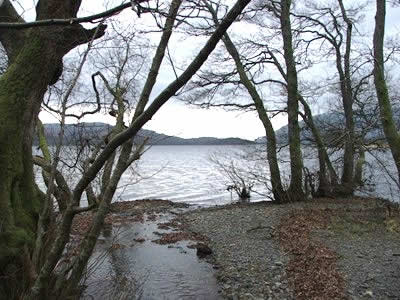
[[18, 199], [43, 142], [12, 241]]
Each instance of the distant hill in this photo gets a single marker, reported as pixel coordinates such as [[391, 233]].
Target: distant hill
[[332, 125], [95, 132]]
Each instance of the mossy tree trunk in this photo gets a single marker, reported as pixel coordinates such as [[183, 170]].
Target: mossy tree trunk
[[296, 162], [385, 107], [326, 185], [35, 61]]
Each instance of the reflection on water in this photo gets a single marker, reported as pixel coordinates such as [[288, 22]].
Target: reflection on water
[[122, 268]]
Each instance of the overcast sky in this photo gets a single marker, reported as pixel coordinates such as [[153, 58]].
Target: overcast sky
[[175, 118]]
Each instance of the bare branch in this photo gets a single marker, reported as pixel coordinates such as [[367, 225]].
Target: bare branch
[[71, 21]]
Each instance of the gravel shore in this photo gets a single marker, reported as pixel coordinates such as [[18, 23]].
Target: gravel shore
[[245, 249], [368, 245], [251, 263]]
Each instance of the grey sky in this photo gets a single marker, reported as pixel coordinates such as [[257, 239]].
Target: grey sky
[[174, 118]]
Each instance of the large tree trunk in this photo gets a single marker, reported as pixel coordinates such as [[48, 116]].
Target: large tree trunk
[[21, 90], [35, 62], [385, 107], [296, 162], [347, 184]]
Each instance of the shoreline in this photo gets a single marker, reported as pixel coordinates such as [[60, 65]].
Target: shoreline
[[262, 250]]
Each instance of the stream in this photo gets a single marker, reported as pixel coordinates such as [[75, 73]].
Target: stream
[[124, 266]]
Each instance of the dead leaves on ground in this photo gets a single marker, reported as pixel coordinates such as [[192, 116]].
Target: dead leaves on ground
[[312, 267], [173, 237], [82, 222]]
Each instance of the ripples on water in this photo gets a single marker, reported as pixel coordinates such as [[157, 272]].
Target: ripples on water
[[180, 174], [186, 174]]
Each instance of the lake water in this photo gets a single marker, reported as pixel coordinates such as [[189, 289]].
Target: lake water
[[181, 174], [147, 270], [186, 174]]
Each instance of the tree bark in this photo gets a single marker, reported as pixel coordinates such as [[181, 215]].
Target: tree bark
[[296, 163], [347, 184], [325, 186], [35, 60], [385, 107]]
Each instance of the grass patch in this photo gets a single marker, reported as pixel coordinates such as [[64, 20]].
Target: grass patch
[[362, 223]]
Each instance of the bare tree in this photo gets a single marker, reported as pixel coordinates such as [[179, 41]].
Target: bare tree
[[334, 24], [236, 175], [277, 189]]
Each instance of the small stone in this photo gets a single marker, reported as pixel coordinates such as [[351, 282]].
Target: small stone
[[203, 250], [278, 263], [139, 240], [369, 293]]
